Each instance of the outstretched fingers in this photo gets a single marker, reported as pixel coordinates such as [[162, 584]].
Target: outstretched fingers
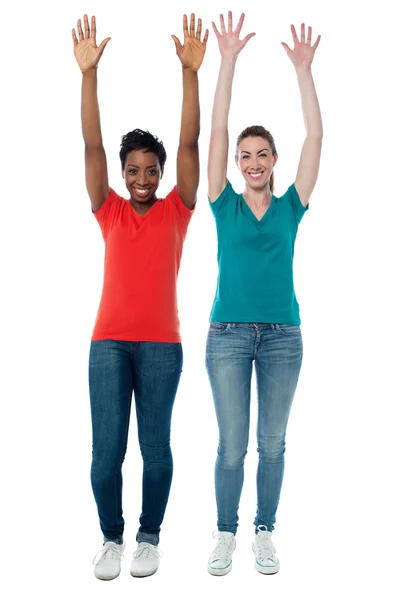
[[316, 43], [286, 47], [302, 33], [215, 29], [103, 44], [185, 26], [222, 25], [309, 40], [230, 22], [199, 29], [86, 26], [247, 38], [294, 35], [93, 28], [239, 25], [192, 25], [80, 31], [204, 41]]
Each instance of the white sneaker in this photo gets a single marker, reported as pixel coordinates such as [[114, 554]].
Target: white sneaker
[[266, 561], [108, 561], [220, 562], [146, 560]]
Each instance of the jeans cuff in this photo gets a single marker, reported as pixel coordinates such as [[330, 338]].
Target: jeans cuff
[[150, 538], [117, 540]]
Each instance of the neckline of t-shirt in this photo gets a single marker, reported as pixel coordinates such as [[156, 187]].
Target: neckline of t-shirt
[[254, 216], [148, 211]]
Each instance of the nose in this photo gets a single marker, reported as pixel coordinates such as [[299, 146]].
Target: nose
[[142, 179]]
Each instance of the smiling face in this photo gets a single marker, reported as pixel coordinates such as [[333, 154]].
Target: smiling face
[[142, 174], [255, 161]]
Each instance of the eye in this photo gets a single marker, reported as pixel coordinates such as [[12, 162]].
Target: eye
[[132, 171], [153, 172], [263, 154], [246, 156]]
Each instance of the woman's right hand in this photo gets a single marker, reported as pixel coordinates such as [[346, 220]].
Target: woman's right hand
[[229, 43], [87, 53]]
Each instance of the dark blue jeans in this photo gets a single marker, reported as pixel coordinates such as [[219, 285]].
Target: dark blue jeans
[[232, 350], [152, 372]]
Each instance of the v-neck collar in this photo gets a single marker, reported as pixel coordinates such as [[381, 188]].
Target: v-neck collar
[[148, 211], [251, 214]]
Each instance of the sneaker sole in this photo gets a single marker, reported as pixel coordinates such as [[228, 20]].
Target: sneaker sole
[[220, 572], [102, 578], [143, 574], [267, 570]]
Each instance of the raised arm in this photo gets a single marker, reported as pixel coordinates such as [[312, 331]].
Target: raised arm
[[230, 46], [302, 57], [88, 54], [191, 55]]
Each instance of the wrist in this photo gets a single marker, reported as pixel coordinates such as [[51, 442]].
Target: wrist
[[90, 72], [229, 60], [303, 71]]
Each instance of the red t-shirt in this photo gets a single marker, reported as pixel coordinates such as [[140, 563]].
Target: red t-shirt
[[142, 260]]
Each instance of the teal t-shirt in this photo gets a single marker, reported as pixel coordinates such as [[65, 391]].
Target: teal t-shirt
[[255, 282]]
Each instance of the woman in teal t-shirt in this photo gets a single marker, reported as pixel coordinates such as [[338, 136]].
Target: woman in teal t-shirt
[[255, 315]]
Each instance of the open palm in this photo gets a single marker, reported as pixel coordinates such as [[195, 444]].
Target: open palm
[[191, 53], [229, 41], [303, 52], [87, 53]]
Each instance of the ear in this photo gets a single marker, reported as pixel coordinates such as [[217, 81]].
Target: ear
[[275, 159]]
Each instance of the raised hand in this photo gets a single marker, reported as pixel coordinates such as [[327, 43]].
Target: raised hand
[[302, 54], [229, 41], [87, 53], [191, 53]]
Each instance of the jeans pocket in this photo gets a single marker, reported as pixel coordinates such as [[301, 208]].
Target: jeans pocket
[[287, 329], [217, 328]]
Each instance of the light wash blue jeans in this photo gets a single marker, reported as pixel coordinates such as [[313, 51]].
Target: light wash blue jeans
[[231, 350]]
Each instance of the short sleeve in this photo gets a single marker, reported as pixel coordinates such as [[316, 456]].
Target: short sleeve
[[108, 212], [297, 206], [221, 202], [182, 212]]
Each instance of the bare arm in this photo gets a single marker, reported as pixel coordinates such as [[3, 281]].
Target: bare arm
[[230, 46], [308, 169], [191, 55], [88, 55]]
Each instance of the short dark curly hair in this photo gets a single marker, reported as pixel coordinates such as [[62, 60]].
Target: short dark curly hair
[[142, 140]]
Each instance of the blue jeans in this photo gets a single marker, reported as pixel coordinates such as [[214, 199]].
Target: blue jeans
[[231, 350], [116, 370]]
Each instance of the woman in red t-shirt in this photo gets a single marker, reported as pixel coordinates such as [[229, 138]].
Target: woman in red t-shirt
[[136, 345]]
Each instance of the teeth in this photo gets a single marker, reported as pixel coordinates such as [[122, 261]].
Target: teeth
[[141, 191], [256, 175]]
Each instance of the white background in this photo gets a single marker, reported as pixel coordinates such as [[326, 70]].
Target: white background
[[337, 524]]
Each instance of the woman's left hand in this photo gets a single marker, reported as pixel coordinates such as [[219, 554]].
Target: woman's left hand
[[302, 54], [191, 53]]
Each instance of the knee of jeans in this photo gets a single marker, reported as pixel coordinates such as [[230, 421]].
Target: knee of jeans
[[230, 458], [154, 453], [271, 448]]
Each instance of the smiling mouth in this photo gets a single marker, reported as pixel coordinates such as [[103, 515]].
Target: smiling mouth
[[256, 175], [141, 191]]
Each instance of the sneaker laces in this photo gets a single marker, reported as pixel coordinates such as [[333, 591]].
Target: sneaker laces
[[145, 550], [264, 546], [109, 551], [224, 547]]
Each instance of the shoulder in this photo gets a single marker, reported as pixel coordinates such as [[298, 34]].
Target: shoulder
[[291, 198], [226, 197], [174, 201]]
